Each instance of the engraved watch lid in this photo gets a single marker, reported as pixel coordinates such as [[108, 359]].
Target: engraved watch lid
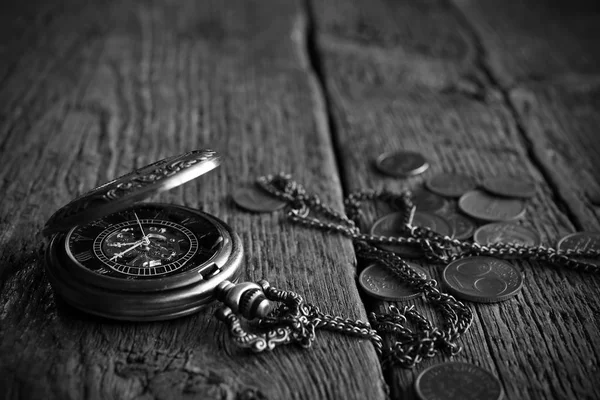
[[131, 188]]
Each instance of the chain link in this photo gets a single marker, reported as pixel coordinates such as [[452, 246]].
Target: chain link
[[409, 347]]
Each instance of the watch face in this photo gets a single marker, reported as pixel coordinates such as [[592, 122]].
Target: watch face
[[145, 242]]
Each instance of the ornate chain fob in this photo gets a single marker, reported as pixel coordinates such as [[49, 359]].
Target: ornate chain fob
[[112, 256]]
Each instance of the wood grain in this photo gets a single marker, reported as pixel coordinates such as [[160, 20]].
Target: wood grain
[[437, 78], [94, 89], [550, 79], [89, 90]]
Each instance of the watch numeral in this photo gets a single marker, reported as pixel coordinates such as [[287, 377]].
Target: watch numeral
[[162, 214], [190, 221], [126, 215], [78, 237], [100, 223], [102, 271], [84, 256]]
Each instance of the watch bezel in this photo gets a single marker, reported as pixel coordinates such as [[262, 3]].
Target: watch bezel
[[157, 283]]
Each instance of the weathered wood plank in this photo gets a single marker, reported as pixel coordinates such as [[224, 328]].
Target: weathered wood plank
[[102, 87], [551, 79], [411, 76]]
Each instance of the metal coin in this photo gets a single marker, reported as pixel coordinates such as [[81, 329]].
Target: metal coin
[[506, 232], [462, 226], [510, 186], [427, 201], [581, 241], [391, 225], [401, 163], [482, 279], [458, 381], [257, 200], [435, 222], [451, 185], [378, 282], [486, 207]]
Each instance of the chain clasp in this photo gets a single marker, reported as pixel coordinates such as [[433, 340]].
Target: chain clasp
[[286, 322]]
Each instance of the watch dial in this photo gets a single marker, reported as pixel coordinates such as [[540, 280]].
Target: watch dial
[[145, 242]]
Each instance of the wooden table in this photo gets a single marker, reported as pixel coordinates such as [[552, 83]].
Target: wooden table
[[90, 90]]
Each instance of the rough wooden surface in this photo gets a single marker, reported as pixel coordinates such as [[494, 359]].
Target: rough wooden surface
[[89, 90], [445, 79], [92, 90]]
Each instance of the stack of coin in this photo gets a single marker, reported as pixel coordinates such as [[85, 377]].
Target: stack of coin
[[501, 200], [453, 205]]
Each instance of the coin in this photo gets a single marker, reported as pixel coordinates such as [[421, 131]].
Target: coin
[[427, 201], [401, 163], [379, 282], [462, 226], [435, 222], [391, 225], [581, 241], [510, 186], [506, 232], [458, 380], [486, 207], [451, 185], [482, 279], [257, 200]]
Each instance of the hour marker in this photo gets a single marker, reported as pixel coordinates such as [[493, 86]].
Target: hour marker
[[161, 214], [84, 256], [78, 237], [190, 221], [100, 223]]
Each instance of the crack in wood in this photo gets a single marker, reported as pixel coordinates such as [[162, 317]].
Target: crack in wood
[[318, 71], [481, 64]]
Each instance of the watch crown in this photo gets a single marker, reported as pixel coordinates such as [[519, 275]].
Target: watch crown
[[245, 298]]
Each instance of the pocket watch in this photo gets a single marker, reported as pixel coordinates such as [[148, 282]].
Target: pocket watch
[[111, 255]]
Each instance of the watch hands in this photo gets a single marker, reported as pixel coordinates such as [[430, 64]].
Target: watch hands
[[122, 244], [141, 227], [139, 243]]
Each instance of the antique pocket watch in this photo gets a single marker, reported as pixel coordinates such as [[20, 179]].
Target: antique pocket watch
[[112, 256]]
